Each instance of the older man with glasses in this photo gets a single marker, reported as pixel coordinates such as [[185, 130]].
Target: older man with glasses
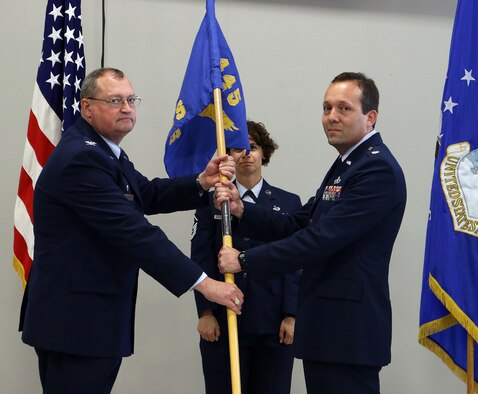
[[91, 240]]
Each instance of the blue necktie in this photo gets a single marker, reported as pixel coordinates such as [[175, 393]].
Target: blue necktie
[[251, 195]]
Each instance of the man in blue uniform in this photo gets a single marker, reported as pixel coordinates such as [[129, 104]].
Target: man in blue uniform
[[342, 239], [266, 325], [91, 239]]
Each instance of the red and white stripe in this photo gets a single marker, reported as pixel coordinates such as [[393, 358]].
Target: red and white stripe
[[43, 134]]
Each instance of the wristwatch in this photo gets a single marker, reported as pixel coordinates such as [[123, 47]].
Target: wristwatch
[[242, 261]]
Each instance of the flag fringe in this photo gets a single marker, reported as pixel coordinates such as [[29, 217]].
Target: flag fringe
[[456, 316], [18, 267], [465, 321], [435, 326], [435, 348]]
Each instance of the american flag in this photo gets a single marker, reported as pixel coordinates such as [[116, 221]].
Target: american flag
[[55, 106]]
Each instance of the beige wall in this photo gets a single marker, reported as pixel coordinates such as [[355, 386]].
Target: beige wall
[[286, 52]]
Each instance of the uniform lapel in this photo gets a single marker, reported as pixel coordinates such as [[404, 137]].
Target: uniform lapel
[[129, 173], [125, 166], [337, 164], [265, 196], [338, 167]]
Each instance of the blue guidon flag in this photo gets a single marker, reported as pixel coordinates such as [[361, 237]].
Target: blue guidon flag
[[449, 303], [191, 141]]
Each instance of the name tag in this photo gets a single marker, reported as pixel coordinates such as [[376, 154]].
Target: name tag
[[129, 196]]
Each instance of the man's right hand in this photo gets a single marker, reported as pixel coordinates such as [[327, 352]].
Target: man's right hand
[[227, 294], [228, 261]]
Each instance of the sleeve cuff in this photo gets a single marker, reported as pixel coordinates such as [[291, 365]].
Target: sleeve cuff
[[201, 278]]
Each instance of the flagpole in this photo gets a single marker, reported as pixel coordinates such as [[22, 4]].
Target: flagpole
[[227, 241], [470, 370]]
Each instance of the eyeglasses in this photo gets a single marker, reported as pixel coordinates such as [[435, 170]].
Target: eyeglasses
[[117, 102]]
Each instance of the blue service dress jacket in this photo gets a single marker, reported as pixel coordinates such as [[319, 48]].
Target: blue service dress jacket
[[91, 239], [267, 302], [342, 239]]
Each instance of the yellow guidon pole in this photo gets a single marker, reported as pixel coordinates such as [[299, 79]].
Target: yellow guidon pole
[[470, 376], [227, 241]]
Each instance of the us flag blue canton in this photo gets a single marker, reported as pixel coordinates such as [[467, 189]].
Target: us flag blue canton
[[62, 66], [449, 302], [55, 106], [191, 142]]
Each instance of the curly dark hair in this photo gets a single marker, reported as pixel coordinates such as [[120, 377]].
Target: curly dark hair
[[259, 134]]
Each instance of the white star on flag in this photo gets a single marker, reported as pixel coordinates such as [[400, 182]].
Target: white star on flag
[[68, 56], [54, 58], [79, 62], [79, 39], [70, 34], [55, 35], [53, 80], [77, 84], [71, 12], [56, 12], [76, 106], [66, 80], [449, 104], [468, 77]]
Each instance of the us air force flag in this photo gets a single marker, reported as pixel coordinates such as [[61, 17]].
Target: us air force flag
[[449, 304], [191, 141]]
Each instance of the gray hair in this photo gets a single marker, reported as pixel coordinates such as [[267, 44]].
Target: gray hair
[[89, 87]]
